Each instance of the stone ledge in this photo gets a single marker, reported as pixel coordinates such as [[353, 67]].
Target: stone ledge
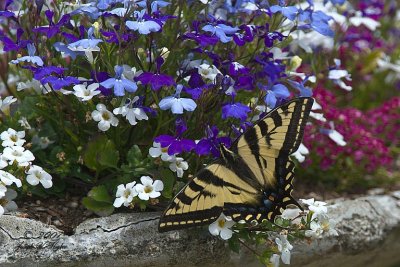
[[364, 225]]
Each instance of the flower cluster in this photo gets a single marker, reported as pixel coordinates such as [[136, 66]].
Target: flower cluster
[[16, 159]]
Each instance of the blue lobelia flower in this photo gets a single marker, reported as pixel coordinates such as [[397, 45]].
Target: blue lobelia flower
[[89, 44], [59, 82], [176, 103], [63, 48], [211, 143], [154, 5], [119, 83], [235, 110], [274, 93], [290, 12], [143, 24], [156, 80], [30, 58], [221, 31], [10, 45], [304, 91]]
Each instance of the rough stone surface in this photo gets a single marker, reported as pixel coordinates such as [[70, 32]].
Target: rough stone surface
[[368, 227]]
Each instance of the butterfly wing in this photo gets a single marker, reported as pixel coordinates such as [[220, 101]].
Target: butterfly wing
[[202, 200], [265, 149]]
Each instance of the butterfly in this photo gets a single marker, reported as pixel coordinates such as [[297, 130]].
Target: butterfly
[[253, 178]]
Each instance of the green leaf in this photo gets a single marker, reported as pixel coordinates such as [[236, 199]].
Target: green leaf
[[100, 193], [101, 154], [234, 244], [98, 207], [168, 179]]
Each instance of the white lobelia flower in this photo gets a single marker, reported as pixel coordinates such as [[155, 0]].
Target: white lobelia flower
[[104, 117], [274, 260], [86, 93], [131, 113], [43, 141], [301, 152], [3, 162], [12, 138], [24, 123], [6, 203], [7, 178], [323, 225], [318, 207], [125, 194], [208, 72], [149, 188], [317, 115], [337, 75], [358, 20], [157, 151], [178, 165], [5, 104], [36, 175], [334, 135], [222, 227], [36, 85], [284, 247], [18, 154]]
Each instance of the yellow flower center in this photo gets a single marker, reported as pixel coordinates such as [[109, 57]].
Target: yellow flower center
[[221, 223], [105, 116], [148, 189], [14, 138]]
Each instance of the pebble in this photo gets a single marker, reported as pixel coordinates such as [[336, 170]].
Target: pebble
[[73, 204], [57, 223], [38, 202]]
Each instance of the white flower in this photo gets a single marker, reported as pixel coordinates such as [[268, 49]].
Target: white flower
[[43, 142], [278, 54], [178, 165], [125, 194], [358, 19], [84, 92], [284, 247], [19, 154], [131, 113], [7, 178], [317, 115], [334, 135], [104, 117], [301, 152], [130, 73], [24, 123], [222, 227], [208, 72], [157, 151], [318, 207], [12, 138], [148, 188], [36, 85], [274, 260], [336, 75], [322, 226], [5, 104], [36, 175], [6, 203], [3, 162]]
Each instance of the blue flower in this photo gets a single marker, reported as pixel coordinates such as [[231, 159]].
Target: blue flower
[[53, 28], [154, 5], [119, 83], [235, 110], [142, 25], [304, 91], [175, 145], [289, 12], [60, 82], [89, 44], [30, 58], [221, 31], [275, 93], [61, 47], [176, 103], [156, 80]]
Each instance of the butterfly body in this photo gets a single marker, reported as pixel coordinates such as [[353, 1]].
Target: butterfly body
[[253, 178]]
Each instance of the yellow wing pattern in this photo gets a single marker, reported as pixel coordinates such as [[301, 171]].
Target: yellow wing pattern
[[252, 181]]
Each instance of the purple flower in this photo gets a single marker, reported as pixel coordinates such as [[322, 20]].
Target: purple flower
[[242, 38], [156, 80], [175, 145], [211, 143], [235, 110], [53, 28], [221, 31], [176, 103], [143, 24], [40, 73], [10, 45], [119, 83], [60, 82]]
